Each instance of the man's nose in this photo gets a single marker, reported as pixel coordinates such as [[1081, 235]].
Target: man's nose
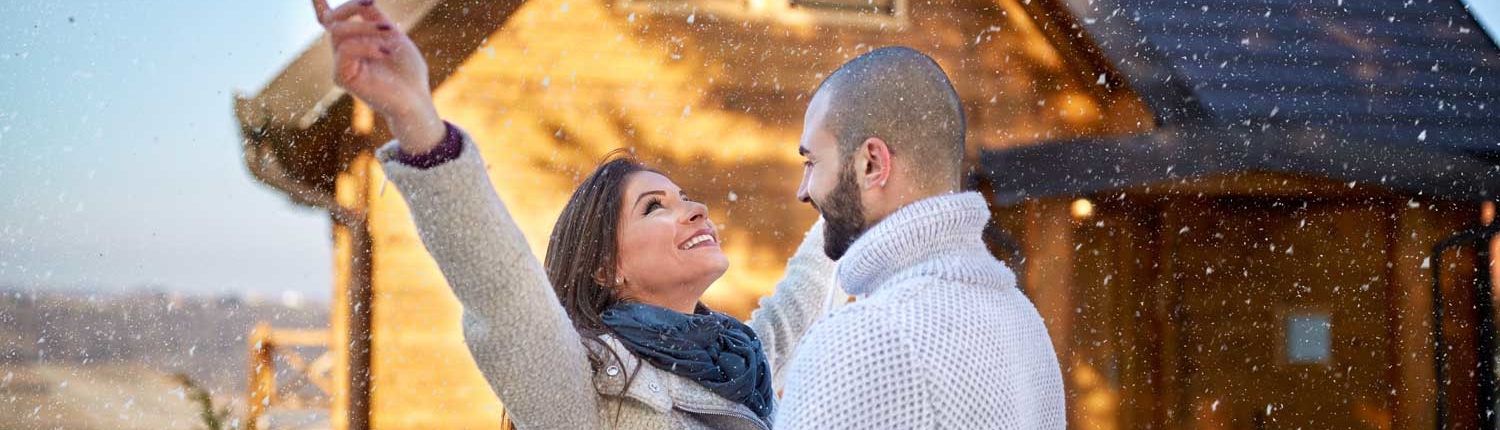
[[802, 193]]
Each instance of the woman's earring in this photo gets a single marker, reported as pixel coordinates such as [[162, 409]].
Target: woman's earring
[[619, 280]]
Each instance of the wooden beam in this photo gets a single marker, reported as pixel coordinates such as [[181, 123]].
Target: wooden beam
[[360, 300], [262, 375], [1166, 300], [1411, 313]]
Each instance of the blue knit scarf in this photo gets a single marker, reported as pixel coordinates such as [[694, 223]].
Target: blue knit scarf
[[714, 349]]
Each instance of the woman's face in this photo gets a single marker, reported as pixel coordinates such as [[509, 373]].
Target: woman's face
[[669, 250]]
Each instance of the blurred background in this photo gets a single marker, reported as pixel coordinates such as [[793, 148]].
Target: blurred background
[[167, 170]]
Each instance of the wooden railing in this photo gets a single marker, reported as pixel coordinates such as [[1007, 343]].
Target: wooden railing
[[269, 346]]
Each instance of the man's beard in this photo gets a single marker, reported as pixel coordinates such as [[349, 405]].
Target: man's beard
[[843, 216]]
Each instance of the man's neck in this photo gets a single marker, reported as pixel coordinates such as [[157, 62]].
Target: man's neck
[[901, 199]]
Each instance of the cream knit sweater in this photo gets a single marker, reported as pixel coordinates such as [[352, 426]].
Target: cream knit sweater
[[939, 338]]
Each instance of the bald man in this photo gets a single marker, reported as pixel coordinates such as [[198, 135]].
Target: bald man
[[940, 337]]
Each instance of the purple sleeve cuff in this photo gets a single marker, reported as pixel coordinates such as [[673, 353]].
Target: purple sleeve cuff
[[450, 148]]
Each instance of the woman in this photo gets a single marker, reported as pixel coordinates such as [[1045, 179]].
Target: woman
[[630, 346]]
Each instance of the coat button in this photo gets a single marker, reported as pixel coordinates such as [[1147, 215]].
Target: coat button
[[612, 371], [655, 388]]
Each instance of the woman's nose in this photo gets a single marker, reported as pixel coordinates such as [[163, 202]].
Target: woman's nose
[[696, 212]]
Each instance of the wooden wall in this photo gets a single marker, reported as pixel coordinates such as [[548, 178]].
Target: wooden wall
[[715, 100], [1165, 302]]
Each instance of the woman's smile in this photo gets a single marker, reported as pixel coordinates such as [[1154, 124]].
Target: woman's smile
[[701, 239]]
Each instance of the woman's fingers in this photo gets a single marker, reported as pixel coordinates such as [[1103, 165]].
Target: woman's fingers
[[364, 48], [373, 59], [348, 10], [356, 55], [321, 8], [351, 29], [365, 9], [372, 13]]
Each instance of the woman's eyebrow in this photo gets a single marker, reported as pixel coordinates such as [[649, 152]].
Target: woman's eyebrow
[[643, 195]]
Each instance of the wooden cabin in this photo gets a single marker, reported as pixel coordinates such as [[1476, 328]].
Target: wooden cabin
[[1224, 214]]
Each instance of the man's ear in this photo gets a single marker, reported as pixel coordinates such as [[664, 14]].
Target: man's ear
[[875, 158]]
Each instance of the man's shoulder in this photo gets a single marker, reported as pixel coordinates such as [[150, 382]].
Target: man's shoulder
[[860, 315], [951, 270], [862, 322]]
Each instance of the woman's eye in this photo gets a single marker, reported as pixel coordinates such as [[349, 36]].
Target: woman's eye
[[653, 206]]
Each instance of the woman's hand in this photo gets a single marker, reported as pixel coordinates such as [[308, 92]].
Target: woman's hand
[[377, 63]]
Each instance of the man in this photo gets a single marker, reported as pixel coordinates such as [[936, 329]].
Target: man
[[939, 336]]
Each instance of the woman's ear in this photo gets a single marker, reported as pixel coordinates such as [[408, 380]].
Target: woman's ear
[[601, 279]]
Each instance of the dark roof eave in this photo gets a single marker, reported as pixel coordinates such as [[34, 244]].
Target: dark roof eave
[[1176, 153]]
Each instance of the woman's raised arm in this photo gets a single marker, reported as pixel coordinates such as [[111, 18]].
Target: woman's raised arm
[[377, 63], [519, 335]]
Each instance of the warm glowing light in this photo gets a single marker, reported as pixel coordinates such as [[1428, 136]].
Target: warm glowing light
[[1077, 108], [1082, 209]]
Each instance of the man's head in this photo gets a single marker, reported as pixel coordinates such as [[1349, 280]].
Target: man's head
[[884, 130]]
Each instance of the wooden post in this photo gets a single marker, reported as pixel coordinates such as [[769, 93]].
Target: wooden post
[[1138, 262], [1048, 278], [350, 320], [1048, 281], [1411, 310], [360, 300], [1166, 300], [262, 375]]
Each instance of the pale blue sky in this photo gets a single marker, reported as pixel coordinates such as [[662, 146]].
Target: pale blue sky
[[119, 156], [1488, 14], [121, 162]]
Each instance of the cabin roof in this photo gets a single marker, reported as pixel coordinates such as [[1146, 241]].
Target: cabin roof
[[1402, 95], [1398, 96], [301, 111]]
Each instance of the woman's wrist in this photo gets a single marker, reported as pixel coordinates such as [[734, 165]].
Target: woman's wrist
[[417, 130]]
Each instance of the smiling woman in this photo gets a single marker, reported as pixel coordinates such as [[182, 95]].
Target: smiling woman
[[663, 230], [629, 260], [675, 256]]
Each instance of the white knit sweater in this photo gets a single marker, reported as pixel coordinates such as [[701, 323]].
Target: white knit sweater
[[940, 337]]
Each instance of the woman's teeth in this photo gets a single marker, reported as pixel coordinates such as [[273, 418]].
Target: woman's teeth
[[697, 240]]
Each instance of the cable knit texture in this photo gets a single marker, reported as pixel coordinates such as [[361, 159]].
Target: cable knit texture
[[523, 341], [940, 336]]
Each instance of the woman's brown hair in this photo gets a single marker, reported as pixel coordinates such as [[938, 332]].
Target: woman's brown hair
[[583, 251]]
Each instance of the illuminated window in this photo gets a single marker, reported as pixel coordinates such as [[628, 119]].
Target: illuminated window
[[1308, 338], [880, 7]]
